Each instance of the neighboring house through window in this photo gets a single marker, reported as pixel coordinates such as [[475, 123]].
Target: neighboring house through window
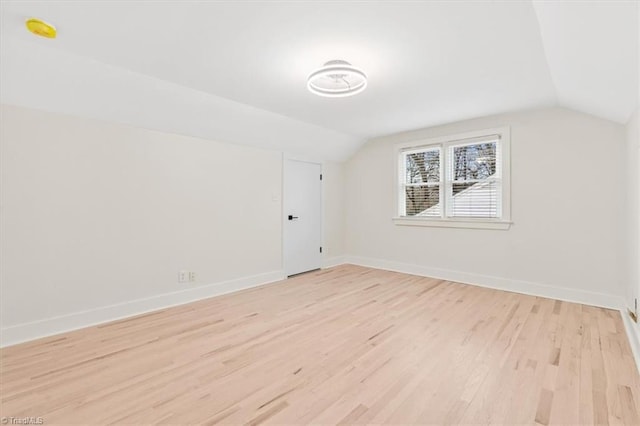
[[457, 181]]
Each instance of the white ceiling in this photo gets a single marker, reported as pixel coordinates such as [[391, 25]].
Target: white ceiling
[[237, 71], [592, 53]]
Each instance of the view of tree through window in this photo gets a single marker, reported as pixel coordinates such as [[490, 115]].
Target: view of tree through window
[[422, 181], [472, 164]]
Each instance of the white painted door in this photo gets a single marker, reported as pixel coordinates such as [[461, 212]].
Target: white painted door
[[303, 216]]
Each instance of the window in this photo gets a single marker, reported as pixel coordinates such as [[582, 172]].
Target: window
[[458, 181]]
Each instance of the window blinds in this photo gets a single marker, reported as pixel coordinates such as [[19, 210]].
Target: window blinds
[[473, 184]]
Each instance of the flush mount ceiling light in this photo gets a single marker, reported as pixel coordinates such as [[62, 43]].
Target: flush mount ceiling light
[[41, 28], [337, 79]]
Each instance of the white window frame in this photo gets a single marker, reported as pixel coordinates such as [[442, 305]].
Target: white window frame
[[445, 142]]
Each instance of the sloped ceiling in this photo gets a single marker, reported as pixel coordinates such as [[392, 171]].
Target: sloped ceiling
[[236, 71], [592, 53]]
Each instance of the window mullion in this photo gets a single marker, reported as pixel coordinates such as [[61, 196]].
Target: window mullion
[[447, 181], [402, 198]]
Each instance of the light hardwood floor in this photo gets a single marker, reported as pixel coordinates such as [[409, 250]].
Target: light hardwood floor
[[345, 345]]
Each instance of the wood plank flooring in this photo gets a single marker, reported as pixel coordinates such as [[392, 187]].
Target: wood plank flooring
[[346, 345]]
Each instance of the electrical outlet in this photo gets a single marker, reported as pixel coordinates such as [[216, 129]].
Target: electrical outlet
[[192, 276], [183, 276]]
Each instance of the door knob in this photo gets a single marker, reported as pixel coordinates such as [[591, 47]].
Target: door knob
[[292, 217]]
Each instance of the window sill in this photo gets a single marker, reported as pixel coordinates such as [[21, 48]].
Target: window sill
[[453, 223]]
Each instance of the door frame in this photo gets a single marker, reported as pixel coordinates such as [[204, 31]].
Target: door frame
[[293, 157]]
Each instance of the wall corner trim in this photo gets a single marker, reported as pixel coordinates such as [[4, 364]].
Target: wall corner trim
[[633, 332], [333, 261], [20, 333]]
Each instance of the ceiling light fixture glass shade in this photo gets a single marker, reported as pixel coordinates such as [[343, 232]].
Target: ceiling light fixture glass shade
[[337, 79]]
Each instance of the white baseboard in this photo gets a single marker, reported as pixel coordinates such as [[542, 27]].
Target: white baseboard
[[498, 283], [333, 261], [50, 326]]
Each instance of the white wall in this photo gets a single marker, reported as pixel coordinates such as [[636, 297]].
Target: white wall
[[633, 197], [633, 228], [334, 213], [97, 220], [568, 234]]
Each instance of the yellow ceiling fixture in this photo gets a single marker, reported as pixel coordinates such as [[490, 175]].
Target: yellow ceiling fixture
[[41, 28]]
